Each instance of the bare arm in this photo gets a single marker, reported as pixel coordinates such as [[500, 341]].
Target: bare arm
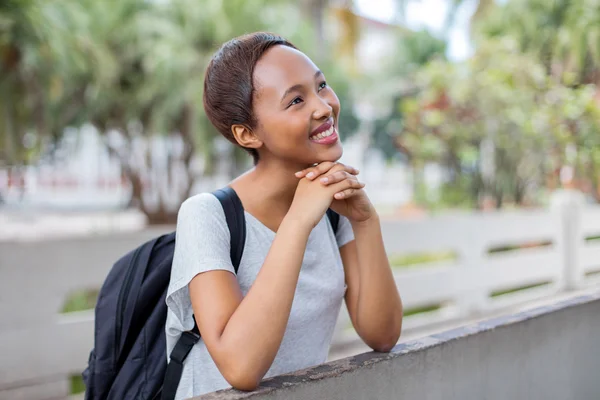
[[244, 335], [372, 297]]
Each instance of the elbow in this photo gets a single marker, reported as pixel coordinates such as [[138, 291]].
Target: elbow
[[384, 346], [385, 340], [242, 378], [244, 383], [386, 343]]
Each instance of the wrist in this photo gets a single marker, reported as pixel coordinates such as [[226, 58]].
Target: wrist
[[297, 222], [373, 220]]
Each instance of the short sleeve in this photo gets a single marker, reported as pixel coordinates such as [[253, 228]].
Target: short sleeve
[[344, 234], [202, 244]]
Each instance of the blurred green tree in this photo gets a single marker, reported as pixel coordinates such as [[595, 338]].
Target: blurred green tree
[[134, 70], [40, 58], [563, 35], [499, 126], [412, 52]]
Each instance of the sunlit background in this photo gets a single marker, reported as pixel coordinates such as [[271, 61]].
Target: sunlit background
[[450, 107], [442, 100]]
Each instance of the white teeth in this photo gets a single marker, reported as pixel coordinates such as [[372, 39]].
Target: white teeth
[[322, 135]]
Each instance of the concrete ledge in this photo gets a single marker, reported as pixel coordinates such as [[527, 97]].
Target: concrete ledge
[[549, 352]]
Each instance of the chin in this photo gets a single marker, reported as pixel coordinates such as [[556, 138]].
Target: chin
[[333, 154]]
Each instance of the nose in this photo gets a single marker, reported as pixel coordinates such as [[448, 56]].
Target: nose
[[323, 109]]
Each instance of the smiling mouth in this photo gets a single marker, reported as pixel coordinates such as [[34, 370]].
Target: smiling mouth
[[323, 135], [328, 137]]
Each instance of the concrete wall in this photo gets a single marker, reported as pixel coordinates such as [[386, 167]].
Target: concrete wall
[[547, 353], [39, 347], [38, 274]]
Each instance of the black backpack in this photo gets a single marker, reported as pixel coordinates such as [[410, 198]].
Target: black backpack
[[128, 360]]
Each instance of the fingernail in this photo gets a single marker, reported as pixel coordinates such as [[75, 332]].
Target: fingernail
[[298, 173], [310, 174], [340, 195], [324, 180]]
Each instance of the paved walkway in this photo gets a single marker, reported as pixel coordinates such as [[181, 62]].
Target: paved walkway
[[26, 225]]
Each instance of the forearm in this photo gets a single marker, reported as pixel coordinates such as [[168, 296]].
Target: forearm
[[254, 332], [379, 307]]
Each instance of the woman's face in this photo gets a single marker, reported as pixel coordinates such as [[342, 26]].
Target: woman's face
[[297, 112]]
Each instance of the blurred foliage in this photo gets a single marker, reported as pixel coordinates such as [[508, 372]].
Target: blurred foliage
[[503, 292], [410, 311], [76, 383], [563, 35], [413, 51], [134, 70], [37, 62], [482, 10], [80, 300], [501, 127], [504, 124], [418, 259]]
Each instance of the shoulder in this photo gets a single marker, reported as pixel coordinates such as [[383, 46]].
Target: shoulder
[[200, 205], [200, 217], [203, 200]]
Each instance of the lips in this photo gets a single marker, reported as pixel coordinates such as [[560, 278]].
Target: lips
[[323, 131], [326, 140]]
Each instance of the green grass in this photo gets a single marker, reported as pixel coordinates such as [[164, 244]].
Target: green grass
[[592, 273], [421, 310], [520, 246], [80, 300], [411, 311], [416, 259], [77, 385], [518, 289]]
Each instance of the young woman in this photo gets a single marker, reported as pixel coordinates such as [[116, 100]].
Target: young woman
[[278, 313]]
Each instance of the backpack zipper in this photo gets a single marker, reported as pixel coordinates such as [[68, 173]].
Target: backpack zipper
[[121, 303]]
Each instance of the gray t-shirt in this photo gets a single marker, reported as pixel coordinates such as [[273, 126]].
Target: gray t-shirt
[[203, 243]]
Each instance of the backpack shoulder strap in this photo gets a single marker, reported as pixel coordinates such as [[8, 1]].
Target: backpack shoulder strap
[[236, 222], [334, 219]]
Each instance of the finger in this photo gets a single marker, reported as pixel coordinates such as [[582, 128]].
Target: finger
[[313, 172], [344, 194], [342, 167], [305, 171], [351, 183], [335, 177], [353, 187]]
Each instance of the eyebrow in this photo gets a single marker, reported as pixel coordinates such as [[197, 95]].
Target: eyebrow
[[299, 86]]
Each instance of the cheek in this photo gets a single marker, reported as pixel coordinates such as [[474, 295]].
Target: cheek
[[285, 130]]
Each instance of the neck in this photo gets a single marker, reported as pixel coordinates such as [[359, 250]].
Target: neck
[[277, 181], [270, 185]]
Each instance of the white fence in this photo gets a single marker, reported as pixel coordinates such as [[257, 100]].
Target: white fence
[[500, 259], [39, 347]]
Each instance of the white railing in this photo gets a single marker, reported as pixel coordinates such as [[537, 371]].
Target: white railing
[[41, 347], [500, 259]]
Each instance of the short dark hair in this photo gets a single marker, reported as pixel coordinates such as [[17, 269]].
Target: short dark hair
[[229, 86]]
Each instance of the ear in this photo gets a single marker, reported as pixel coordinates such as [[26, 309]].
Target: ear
[[246, 137]]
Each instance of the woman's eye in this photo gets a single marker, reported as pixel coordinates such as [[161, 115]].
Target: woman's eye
[[323, 85], [297, 100]]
